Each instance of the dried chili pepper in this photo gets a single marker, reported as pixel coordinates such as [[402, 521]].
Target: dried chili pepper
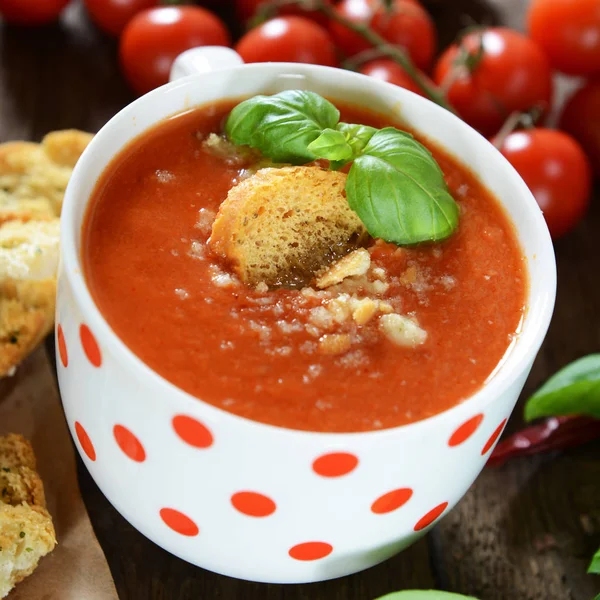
[[554, 433]]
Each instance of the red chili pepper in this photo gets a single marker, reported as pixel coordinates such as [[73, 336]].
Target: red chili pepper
[[555, 433]]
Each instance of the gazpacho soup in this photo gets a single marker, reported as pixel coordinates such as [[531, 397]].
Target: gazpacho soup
[[305, 264]]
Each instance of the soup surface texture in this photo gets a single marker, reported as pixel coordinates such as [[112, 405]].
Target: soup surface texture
[[260, 353]]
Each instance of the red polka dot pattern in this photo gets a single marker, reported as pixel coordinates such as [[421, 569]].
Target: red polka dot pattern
[[493, 438], [192, 432], [62, 347], [253, 504], [431, 516], [391, 501], [129, 443], [465, 431], [90, 345], [311, 551], [335, 464], [84, 441], [179, 522]]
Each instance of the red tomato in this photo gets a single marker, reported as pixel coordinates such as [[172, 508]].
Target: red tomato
[[155, 37], [288, 39], [569, 33], [408, 26], [581, 118], [112, 15], [513, 75], [556, 170], [31, 12], [246, 9], [385, 69]]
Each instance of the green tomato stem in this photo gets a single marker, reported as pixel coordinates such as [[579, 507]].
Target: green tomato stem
[[396, 53]]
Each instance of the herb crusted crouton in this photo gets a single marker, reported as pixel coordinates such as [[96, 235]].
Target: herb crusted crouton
[[26, 530], [28, 265], [33, 177]]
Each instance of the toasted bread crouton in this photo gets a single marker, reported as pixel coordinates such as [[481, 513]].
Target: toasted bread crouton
[[28, 263], [26, 530], [282, 225], [66, 146], [33, 177], [19, 485], [26, 535], [16, 451]]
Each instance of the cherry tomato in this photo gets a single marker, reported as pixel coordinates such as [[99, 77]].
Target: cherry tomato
[[288, 39], [112, 15], [581, 118], [385, 69], [556, 170], [408, 26], [155, 37], [569, 33], [513, 75], [31, 12], [246, 9]]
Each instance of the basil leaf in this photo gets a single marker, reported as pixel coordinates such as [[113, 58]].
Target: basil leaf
[[424, 595], [332, 145], [594, 567], [399, 192], [282, 126], [358, 136], [574, 390]]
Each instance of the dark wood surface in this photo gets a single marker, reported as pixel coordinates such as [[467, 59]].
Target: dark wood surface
[[525, 531]]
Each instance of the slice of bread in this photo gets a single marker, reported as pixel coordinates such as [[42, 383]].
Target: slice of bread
[[26, 529], [28, 264], [283, 225]]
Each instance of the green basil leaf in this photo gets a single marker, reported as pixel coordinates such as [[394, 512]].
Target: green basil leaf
[[424, 595], [594, 567], [358, 136], [574, 390], [282, 126], [332, 145], [399, 192]]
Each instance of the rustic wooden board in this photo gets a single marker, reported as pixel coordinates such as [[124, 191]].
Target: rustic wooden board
[[523, 532]]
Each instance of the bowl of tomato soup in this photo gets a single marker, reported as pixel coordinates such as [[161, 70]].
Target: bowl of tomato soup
[[288, 429]]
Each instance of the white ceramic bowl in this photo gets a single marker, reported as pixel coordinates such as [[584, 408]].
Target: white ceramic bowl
[[171, 464]]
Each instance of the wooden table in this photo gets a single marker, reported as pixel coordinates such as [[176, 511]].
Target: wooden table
[[523, 532]]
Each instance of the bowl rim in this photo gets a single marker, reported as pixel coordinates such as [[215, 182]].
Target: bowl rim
[[538, 307]]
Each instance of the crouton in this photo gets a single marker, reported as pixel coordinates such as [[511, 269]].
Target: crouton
[[33, 177], [28, 263], [26, 530], [16, 451], [26, 535], [283, 225], [21, 484]]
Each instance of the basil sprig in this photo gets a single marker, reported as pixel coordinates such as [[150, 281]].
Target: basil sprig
[[282, 126], [394, 184], [424, 595], [574, 390], [398, 190]]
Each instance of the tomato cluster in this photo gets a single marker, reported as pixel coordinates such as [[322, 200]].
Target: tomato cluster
[[488, 75]]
